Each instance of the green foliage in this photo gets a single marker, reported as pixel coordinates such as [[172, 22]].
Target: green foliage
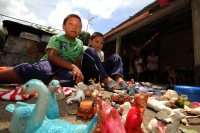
[[2, 39], [84, 37], [46, 29]]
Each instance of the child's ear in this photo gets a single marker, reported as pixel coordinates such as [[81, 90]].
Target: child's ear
[[90, 41], [63, 26]]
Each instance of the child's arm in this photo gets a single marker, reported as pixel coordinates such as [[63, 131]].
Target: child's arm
[[78, 63], [55, 59]]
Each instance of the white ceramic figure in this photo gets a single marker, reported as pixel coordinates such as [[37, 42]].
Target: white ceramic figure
[[157, 105], [176, 116], [159, 123], [78, 97], [125, 109], [189, 110]]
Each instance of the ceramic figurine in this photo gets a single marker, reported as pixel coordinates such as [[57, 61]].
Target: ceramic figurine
[[124, 109], [120, 98], [22, 111], [38, 122], [160, 105], [195, 111], [135, 115], [60, 95], [170, 95], [159, 123], [176, 116], [78, 97], [108, 118]]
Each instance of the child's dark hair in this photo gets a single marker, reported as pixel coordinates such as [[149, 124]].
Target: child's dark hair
[[95, 34], [69, 16]]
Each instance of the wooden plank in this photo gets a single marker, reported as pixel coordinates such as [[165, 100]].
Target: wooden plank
[[195, 4], [173, 6]]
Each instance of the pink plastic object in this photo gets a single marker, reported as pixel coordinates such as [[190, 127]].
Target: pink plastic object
[[194, 105], [108, 118], [163, 3]]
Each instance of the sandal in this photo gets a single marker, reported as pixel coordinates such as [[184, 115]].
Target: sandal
[[111, 85], [123, 84]]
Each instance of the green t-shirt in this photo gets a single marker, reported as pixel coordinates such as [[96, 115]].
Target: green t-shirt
[[67, 50]]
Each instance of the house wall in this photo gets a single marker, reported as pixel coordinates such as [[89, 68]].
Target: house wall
[[19, 50], [177, 49]]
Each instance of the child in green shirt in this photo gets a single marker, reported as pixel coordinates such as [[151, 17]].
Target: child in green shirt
[[62, 60]]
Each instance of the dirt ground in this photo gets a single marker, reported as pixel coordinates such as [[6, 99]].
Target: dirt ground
[[149, 114]]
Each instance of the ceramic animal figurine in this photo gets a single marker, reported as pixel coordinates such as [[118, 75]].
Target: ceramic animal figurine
[[135, 115], [38, 122], [170, 95], [159, 123], [22, 111], [160, 105], [78, 96], [108, 117], [124, 108], [52, 109], [195, 111], [176, 116], [60, 95]]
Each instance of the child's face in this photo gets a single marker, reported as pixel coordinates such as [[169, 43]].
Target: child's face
[[97, 43], [72, 28]]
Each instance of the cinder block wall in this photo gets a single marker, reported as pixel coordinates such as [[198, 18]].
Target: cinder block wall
[[177, 49]]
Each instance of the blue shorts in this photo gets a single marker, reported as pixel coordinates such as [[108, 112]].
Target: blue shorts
[[139, 70], [44, 71]]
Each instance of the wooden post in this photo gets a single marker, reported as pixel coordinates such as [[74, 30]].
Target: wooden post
[[118, 45], [195, 4]]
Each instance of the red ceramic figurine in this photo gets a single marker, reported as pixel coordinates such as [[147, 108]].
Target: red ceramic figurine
[[134, 117]]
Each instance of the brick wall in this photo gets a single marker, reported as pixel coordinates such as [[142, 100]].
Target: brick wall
[[177, 49]]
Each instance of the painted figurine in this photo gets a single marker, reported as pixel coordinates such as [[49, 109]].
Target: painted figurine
[[135, 115], [37, 122], [108, 117]]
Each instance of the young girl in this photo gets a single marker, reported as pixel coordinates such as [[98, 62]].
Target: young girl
[[62, 59], [138, 67], [93, 67]]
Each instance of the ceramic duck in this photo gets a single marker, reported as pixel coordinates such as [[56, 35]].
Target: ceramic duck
[[38, 122], [52, 110], [22, 111]]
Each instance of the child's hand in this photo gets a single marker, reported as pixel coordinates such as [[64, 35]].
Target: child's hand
[[77, 74]]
